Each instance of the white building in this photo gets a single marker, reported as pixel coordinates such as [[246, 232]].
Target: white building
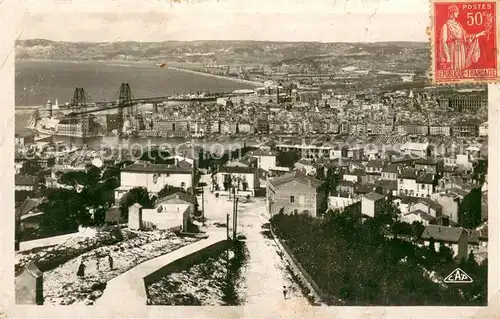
[[411, 183], [415, 149], [338, 202], [153, 177], [266, 159], [370, 204], [483, 129]]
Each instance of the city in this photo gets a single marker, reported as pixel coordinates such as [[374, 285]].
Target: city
[[288, 173]]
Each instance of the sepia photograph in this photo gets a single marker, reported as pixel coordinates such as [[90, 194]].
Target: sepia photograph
[[198, 157]]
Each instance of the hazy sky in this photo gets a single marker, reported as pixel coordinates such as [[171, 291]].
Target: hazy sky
[[292, 20]]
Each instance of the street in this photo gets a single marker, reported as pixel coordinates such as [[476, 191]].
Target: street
[[266, 273]]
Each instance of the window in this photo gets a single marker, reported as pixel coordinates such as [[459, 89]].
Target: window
[[423, 186], [292, 199]]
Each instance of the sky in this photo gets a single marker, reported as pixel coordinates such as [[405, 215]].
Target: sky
[[278, 20]]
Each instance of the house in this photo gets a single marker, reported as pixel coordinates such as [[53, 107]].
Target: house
[[390, 172], [408, 204], [153, 177], [166, 216], [243, 162], [346, 187], [426, 164], [25, 182], [179, 198], [296, 193], [28, 215], [305, 166], [450, 203], [387, 187], [371, 204], [24, 139], [244, 179], [411, 182], [420, 150], [418, 215], [339, 202], [455, 238], [266, 159]]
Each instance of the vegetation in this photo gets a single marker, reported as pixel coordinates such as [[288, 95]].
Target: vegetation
[[356, 263], [469, 211], [138, 195], [287, 159], [84, 203]]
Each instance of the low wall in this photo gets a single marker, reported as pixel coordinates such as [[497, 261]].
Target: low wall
[[298, 270], [186, 262]]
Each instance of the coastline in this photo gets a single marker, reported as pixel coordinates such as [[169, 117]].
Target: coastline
[[257, 84], [152, 64]]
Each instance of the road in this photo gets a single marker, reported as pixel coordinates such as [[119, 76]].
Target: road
[[266, 270]]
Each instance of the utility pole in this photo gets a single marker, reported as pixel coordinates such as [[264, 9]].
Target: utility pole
[[235, 219], [203, 205]]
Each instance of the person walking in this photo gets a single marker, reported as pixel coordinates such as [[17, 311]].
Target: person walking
[[284, 292], [98, 261], [110, 261], [81, 270]]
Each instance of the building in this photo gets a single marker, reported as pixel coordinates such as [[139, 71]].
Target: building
[[483, 129], [25, 182], [266, 159], [244, 179], [455, 238], [438, 129], [390, 172], [468, 102], [339, 202], [465, 129], [154, 177], [167, 216], [296, 193], [411, 182], [24, 139], [372, 204], [416, 149]]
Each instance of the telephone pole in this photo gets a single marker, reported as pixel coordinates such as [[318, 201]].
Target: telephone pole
[[203, 205]]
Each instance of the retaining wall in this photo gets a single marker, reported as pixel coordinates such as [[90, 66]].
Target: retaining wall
[[298, 270], [186, 262]]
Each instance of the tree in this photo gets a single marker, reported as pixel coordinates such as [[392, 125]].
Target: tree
[[287, 159], [31, 167], [168, 190], [332, 180], [64, 211], [138, 195], [480, 170], [469, 211]]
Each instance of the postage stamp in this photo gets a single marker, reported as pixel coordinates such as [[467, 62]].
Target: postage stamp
[[464, 41]]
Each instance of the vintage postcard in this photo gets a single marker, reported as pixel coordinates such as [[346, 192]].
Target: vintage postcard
[[231, 159], [465, 41]]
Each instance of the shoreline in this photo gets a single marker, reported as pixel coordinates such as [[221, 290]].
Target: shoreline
[[152, 64]]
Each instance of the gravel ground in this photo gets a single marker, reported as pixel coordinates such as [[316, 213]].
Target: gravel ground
[[63, 287], [217, 281]]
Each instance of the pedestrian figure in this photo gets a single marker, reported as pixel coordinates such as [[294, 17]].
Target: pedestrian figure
[[81, 270], [110, 261], [284, 292], [98, 262]]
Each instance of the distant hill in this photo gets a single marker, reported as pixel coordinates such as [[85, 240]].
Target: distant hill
[[229, 52]]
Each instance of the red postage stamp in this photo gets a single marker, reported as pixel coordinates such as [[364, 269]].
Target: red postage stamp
[[465, 41]]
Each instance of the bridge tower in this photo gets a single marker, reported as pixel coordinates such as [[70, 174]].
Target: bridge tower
[[79, 104], [123, 101]]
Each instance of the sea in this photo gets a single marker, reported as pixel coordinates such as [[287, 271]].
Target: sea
[[36, 82]]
